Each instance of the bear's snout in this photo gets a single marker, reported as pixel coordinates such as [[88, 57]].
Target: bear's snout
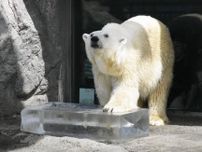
[[94, 39], [94, 42]]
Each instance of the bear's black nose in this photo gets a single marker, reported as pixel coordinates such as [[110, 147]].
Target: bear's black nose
[[94, 39]]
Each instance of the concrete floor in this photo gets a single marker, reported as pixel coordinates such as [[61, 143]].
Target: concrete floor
[[183, 134]]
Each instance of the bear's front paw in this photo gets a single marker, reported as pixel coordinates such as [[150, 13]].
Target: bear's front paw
[[156, 120], [118, 108]]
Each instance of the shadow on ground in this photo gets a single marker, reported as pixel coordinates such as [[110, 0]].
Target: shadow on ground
[[11, 137], [183, 118]]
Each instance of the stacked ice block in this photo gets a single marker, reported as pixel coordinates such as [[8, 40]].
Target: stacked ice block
[[61, 119]]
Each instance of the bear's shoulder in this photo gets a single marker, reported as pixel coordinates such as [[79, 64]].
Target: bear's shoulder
[[142, 19], [145, 21]]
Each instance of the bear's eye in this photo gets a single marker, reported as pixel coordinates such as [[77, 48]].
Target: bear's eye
[[106, 35]]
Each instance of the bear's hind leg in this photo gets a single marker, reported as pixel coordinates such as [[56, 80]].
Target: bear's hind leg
[[158, 102]]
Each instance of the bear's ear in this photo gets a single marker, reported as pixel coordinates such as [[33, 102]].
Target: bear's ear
[[85, 36], [123, 41]]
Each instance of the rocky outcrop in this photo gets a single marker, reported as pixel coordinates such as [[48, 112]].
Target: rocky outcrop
[[29, 53], [47, 17]]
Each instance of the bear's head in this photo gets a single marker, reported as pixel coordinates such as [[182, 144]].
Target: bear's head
[[106, 47], [110, 37]]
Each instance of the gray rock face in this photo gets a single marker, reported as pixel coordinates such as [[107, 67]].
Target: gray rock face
[[27, 48], [8, 68], [26, 59], [47, 18]]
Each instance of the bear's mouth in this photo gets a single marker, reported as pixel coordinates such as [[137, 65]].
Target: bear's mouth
[[96, 46]]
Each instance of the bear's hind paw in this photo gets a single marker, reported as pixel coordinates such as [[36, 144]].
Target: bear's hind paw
[[157, 121]]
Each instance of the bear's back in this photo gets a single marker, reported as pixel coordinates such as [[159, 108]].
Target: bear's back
[[158, 36], [147, 22], [157, 51], [152, 27]]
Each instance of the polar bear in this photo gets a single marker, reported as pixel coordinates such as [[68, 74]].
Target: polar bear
[[132, 62]]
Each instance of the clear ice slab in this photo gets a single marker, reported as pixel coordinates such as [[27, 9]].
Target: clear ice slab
[[71, 119]]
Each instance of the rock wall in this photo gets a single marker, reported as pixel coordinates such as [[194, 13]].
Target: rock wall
[[30, 53], [47, 17]]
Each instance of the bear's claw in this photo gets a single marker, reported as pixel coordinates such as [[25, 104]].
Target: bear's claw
[[107, 110], [115, 109]]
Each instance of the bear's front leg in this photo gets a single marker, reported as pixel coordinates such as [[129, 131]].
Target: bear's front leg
[[124, 98], [102, 86]]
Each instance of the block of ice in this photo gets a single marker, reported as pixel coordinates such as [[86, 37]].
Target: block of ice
[[61, 119]]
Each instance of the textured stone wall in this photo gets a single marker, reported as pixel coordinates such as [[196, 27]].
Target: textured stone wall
[[30, 53], [47, 17]]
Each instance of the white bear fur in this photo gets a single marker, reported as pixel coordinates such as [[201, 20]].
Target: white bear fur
[[133, 64]]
